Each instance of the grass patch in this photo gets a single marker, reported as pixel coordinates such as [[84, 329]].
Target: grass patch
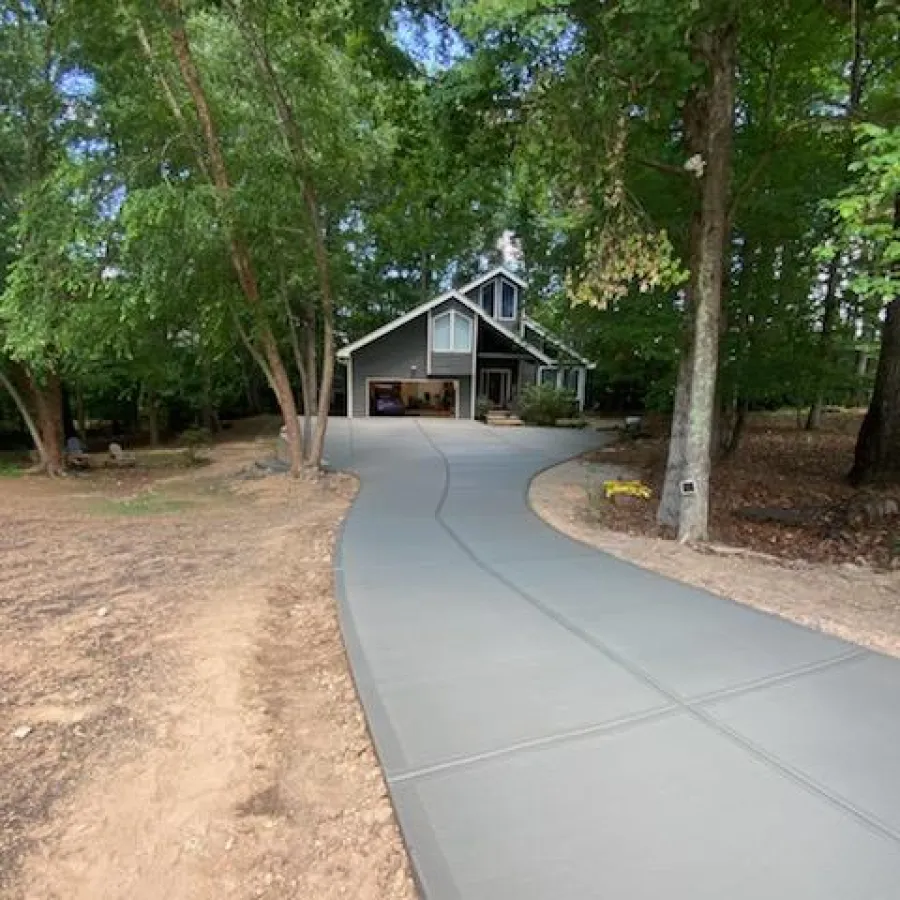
[[12, 465], [143, 505]]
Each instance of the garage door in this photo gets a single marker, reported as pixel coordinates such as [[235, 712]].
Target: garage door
[[408, 397]]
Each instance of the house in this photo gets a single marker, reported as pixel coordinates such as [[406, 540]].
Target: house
[[466, 347]]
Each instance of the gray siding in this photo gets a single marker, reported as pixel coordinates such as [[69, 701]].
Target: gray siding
[[447, 364], [455, 364], [391, 356], [465, 397]]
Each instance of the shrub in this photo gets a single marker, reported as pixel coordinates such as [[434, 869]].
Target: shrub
[[196, 439], [482, 407], [541, 404]]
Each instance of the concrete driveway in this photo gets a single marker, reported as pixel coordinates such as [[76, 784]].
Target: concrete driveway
[[557, 724]]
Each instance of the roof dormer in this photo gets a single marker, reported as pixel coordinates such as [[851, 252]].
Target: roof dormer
[[499, 294]]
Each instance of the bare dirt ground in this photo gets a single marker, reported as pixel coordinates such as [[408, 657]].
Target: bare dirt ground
[[851, 600], [169, 644]]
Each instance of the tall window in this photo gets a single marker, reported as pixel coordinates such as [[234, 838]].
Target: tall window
[[487, 299], [451, 332], [507, 301]]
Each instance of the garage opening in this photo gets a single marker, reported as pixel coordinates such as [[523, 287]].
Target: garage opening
[[393, 397]]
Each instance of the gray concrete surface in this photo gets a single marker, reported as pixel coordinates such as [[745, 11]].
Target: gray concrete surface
[[556, 724]]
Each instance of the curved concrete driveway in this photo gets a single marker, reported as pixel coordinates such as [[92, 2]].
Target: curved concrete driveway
[[557, 724]]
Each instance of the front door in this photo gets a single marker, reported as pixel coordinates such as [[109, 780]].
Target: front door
[[495, 385]]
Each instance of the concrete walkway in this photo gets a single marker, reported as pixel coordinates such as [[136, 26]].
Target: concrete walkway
[[558, 724]]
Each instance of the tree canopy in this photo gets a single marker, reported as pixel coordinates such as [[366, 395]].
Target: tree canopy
[[200, 201]]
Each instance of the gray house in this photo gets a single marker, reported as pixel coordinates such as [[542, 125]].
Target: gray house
[[470, 345]]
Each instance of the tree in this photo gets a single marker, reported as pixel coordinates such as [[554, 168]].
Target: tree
[[871, 215]]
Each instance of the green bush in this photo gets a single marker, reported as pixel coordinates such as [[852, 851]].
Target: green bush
[[482, 407], [196, 440], [541, 404]]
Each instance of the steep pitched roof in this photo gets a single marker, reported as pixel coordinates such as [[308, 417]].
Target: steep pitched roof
[[497, 270], [528, 322], [345, 352]]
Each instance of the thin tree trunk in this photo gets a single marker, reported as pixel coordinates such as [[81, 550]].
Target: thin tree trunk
[[831, 304], [736, 432], [153, 417], [312, 369], [80, 414], [307, 385], [27, 418], [829, 320], [68, 417], [240, 254], [718, 47]]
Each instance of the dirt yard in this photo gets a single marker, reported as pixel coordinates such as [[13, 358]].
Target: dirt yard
[[176, 715], [840, 581]]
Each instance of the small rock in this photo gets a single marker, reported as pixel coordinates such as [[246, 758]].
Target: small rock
[[103, 611], [22, 732]]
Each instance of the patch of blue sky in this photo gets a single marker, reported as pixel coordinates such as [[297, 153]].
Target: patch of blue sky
[[435, 45]]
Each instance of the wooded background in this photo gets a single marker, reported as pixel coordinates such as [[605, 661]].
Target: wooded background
[[201, 199]]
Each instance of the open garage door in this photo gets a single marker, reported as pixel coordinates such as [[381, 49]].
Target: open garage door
[[408, 397]]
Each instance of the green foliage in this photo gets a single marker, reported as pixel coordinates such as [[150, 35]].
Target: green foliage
[[870, 212], [542, 404], [196, 440]]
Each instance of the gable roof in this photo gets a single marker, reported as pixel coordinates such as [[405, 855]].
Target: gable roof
[[493, 273], [528, 322], [345, 352]]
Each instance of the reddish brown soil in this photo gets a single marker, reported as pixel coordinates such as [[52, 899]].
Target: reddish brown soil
[[777, 466]]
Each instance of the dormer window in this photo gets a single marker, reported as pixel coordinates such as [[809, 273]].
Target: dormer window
[[488, 299], [508, 301], [451, 332]]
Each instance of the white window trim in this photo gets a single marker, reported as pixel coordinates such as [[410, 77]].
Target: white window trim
[[557, 377], [499, 309], [452, 314]]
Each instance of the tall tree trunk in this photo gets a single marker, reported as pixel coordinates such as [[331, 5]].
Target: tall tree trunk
[[669, 510], [831, 303], [80, 414], [25, 413], [68, 416], [670, 501], [311, 370], [877, 456], [736, 431], [240, 253], [153, 416], [826, 344], [305, 361], [48, 406], [718, 47]]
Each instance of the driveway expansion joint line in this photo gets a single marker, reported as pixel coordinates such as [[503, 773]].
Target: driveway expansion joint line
[[872, 822], [750, 687], [615, 726]]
